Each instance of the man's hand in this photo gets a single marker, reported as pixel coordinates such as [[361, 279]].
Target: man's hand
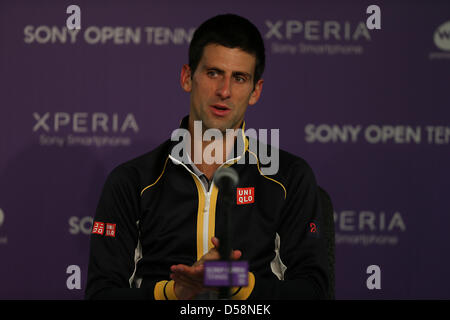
[[189, 279]]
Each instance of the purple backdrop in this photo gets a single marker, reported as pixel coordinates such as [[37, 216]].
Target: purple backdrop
[[368, 109]]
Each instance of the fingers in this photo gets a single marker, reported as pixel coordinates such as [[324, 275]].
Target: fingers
[[185, 288], [189, 279], [212, 254], [188, 282], [215, 242], [235, 254], [193, 271]]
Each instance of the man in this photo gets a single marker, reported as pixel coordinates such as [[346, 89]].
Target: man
[[156, 221]]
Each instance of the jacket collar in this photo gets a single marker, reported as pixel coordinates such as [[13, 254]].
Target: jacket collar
[[176, 150]]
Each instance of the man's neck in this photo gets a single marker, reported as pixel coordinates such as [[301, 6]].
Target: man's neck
[[208, 156]]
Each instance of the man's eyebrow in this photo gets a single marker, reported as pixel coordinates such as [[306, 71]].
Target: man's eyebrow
[[215, 69], [241, 73], [234, 73]]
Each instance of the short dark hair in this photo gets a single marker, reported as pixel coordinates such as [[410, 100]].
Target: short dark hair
[[231, 31]]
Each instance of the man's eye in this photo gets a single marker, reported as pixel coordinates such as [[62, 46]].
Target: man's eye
[[240, 79], [212, 73]]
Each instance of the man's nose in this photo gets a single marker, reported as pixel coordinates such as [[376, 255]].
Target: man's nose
[[224, 89]]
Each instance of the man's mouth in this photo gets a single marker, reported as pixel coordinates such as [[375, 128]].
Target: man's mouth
[[219, 110]]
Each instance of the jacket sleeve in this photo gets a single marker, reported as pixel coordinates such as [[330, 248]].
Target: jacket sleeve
[[114, 239], [302, 247]]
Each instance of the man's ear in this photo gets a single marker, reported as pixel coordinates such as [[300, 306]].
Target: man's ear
[[256, 92], [186, 80]]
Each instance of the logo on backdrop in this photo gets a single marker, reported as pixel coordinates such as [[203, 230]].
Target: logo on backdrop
[[316, 37], [102, 35], [81, 225], [441, 40], [3, 239], [98, 129], [368, 227], [376, 134]]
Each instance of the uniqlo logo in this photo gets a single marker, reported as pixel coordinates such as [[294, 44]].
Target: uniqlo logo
[[98, 227], [245, 195], [110, 230]]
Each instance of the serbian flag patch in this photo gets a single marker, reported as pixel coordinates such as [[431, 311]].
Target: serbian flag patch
[[98, 227], [245, 195]]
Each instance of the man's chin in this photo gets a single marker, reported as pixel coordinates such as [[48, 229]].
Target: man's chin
[[221, 124]]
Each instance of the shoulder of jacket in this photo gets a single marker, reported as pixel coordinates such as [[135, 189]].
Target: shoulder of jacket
[[144, 168], [288, 163]]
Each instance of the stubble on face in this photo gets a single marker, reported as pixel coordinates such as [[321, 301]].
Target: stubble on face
[[222, 87]]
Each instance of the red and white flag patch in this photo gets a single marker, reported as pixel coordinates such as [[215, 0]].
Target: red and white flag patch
[[98, 227], [245, 195]]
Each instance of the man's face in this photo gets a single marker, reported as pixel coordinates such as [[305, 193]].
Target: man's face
[[221, 87]]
